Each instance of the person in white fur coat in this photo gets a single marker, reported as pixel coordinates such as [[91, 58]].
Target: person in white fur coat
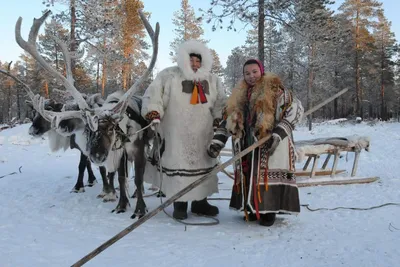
[[187, 101]]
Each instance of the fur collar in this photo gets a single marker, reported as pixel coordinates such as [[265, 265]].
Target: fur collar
[[183, 60], [262, 105]]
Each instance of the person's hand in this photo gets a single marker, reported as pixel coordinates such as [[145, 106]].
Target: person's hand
[[154, 118], [214, 149], [273, 143], [154, 124]]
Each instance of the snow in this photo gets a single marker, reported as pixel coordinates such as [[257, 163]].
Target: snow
[[43, 224]]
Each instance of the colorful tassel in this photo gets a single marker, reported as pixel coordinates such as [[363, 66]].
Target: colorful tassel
[[195, 96], [203, 98]]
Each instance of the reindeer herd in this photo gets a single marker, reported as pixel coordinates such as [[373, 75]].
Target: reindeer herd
[[110, 133]]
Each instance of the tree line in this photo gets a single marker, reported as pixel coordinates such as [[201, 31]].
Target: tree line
[[316, 51]]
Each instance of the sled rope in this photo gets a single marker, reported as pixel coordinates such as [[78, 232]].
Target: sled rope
[[307, 206], [19, 169], [392, 228]]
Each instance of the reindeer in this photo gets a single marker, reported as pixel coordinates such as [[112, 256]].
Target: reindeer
[[115, 133], [40, 126]]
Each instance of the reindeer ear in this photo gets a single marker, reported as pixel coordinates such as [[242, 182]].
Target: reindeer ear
[[58, 107], [125, 139], [29, 103]]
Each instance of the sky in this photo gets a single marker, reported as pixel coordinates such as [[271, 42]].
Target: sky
[[222, 41]]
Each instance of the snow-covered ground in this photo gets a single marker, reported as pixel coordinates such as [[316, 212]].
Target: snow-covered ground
[[43, 224]]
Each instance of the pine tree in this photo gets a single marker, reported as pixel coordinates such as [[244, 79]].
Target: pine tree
[[234, 67], [132, 34], [188, 27], [385, 45], [361, 13], [216, 68], [312, 16], [51, 51]]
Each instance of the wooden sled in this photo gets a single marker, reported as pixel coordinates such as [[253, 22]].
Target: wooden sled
[[319, 172], [313, 149], [344, 180]]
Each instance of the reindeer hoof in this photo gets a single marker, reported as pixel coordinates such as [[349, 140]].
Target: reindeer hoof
[[118, 211], [78, 190], [92, 183], [138, 215], [140, 212], [110, 197], [161, 194]]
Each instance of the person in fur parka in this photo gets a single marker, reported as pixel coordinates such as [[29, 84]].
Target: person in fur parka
[[186, 100], [265, 182]]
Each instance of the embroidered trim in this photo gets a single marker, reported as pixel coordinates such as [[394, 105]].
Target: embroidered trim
[[284, 128], [182, 172], [152, 115]]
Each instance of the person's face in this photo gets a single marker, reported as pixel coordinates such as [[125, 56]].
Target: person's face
[[195, 63], [252, 74]]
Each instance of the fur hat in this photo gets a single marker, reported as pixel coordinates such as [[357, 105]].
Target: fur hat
[[183, 60]]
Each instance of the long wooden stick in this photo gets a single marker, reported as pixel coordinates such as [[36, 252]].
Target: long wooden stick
[[168, 202], [323, 103]]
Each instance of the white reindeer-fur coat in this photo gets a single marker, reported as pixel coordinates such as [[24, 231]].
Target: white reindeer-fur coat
[[187, 129]]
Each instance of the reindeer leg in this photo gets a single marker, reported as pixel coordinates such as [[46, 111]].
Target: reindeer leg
[[111, 195], [140, 163], [92, 179], [79, 187], [134, 195], [106, 184], [122, 176]]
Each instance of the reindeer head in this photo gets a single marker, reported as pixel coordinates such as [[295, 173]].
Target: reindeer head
[[39, 124], [112, 129], [106, 138]]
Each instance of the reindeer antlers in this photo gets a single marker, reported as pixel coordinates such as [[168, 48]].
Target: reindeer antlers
[[30, 47], [86, 112]]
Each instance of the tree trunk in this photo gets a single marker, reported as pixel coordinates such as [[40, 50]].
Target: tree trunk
[[125, 73], [56, 54], [18, 103], [98, 77], [382, 93], [310, 83], [358, 101], [292, 67], [9, 101], [336, 108], [104, 77], [261, 21], [336, 84], [73, 44], [46, 89]]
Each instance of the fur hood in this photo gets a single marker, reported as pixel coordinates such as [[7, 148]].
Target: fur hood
[[183, 60], [262, 106]]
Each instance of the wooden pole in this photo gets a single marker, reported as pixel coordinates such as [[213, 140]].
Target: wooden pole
[[311, 110], [168, 202]]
